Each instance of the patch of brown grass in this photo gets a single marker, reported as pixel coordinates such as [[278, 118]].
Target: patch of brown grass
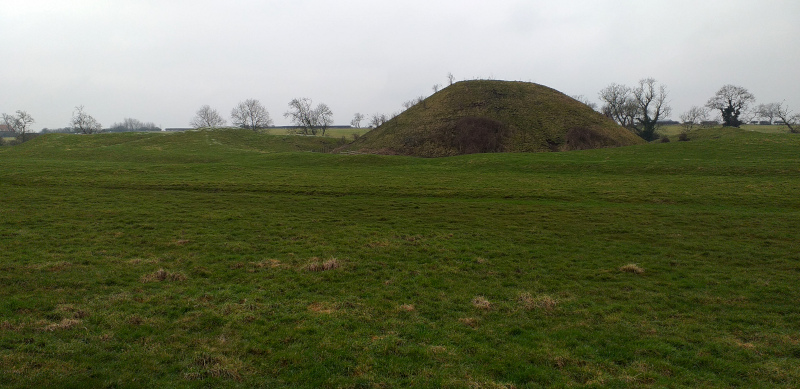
[[135, 320], [76, 313], [407, 307], [543, 302], [267, 264], [382, 243], [65, 324], [317, 266], [52, 266], [163, 275], [632, 268], [322, 308], [138, 261], [469, 321], [210, 366], [481, 302]]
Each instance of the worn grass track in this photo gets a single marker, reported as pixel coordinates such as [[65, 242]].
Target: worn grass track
[[207, 259]]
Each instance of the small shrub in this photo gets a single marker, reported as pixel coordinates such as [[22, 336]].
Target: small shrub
[[481, 302], [683, 136], [632, 268], [664, 139]]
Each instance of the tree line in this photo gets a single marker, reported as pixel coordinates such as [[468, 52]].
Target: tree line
[[640, 108], [251, 114]]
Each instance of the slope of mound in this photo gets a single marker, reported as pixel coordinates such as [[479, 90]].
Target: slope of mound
[[494, 116]]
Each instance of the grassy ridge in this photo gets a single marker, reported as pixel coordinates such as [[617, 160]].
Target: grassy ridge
[[482, 270]]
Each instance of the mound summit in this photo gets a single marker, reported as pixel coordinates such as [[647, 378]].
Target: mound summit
[[494, 116]]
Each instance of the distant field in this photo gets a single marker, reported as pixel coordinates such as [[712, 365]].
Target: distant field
[[333, 132], [674, 130], [232, 259]]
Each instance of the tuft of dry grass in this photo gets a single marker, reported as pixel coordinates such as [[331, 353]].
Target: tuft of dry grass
[[407, 307], [481, 302], [210, 366], [469, 321], [267, 264], [65, 324], [543, 302], [632, 268], [325, 308], [72, 310], [163, 275], [316, 265]]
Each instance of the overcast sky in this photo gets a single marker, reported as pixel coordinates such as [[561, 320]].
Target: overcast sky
[[161, 60]]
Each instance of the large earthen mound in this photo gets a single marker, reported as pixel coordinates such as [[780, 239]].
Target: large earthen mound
[[494, 116]]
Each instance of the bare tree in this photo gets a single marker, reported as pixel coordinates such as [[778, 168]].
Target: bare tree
[[638, 109], [324, 117], [731, 101], [357, 118], [789, 118], [768, 111], [651, 104], [451, 79], [19, 124], [618, 104], [133, 125], [436, 87], [693, 117], [586, 101], [410, 103], [83, 123], [377, 120], [251, 114], [309, 120], [207, 117]]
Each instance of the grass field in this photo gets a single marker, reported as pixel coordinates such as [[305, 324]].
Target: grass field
[[674, 130], [331, 132], [231, 259]]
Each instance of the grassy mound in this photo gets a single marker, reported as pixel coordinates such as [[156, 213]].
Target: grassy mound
[[494, 116]]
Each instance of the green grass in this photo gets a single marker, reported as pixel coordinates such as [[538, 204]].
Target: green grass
[[198, 260]]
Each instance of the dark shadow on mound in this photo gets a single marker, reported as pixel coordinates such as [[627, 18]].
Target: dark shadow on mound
[[479, 135], [585, 139]]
